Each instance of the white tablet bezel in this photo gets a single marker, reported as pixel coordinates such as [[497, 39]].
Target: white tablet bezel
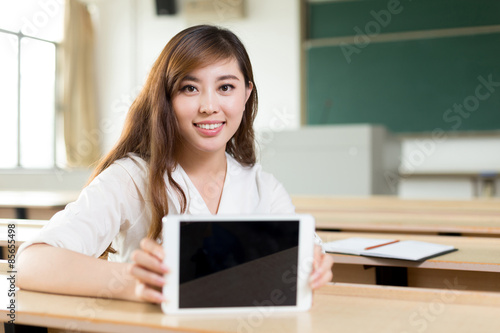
[[171, 244]]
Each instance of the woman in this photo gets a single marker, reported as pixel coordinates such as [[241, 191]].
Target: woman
[[187, 147]]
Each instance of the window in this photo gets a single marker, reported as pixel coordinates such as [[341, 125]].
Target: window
[[30, 32]]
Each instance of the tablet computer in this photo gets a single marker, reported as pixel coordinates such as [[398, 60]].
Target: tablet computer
[[224, 263]]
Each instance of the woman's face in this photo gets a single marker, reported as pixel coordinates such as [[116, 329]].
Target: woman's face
[[209, 105]]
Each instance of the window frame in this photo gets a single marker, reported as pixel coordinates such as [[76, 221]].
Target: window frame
[[57, 105]]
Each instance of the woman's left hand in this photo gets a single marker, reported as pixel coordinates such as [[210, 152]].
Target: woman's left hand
[[322, 268]]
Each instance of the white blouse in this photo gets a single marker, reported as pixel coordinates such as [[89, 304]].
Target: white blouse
[[113, 208]]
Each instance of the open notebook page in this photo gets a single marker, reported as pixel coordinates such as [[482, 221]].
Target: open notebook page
[[409, 250], [353, 245]]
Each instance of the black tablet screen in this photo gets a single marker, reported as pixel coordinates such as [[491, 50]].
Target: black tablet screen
[[235, 264]]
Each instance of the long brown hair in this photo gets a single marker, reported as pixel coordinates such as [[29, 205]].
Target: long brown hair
[[151, 129]]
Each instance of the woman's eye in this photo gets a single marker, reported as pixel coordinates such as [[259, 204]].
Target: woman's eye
[[226, 87], [188, 89]]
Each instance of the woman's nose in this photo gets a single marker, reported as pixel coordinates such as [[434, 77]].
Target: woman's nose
[[209, 103]]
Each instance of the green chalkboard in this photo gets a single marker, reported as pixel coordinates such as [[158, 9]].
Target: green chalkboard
[[339, 18], [416, 85]]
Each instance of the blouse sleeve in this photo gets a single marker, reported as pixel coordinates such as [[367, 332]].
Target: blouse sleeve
[[90, 224], [281, 201]]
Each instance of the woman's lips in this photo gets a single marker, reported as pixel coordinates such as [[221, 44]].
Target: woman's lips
[[209, 128]]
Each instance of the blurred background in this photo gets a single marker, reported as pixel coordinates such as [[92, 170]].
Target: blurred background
[[356, 98]]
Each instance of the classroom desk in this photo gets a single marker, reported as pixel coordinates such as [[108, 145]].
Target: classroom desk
[[393, 203], [475, 266], [432, 224], [336, 308], [21, 201], [479, 217]]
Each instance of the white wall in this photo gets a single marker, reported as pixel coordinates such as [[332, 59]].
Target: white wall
[[449, 154], [449, 167], [130, 36]]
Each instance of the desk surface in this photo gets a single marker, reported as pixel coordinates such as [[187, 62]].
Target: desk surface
[[479, 225], [474, 253], [479, 217], [36, 199], [392, 203], [336, 308], [408, 223]]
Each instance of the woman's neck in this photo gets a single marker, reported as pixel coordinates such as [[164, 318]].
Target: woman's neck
[[207, 172], [197, 164]]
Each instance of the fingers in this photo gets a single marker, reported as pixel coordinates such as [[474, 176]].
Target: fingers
[[148, 270], [153, 248], [148, 261], [326, 271], [317, 255], [145, 276], [147, 294], [322, 269]]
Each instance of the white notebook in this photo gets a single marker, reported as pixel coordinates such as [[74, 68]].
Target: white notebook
[[388, 248]]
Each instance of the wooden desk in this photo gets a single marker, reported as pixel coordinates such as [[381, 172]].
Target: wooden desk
[[336, 308], [479, 226], [390, 214], [21, 201], [476, 265], [392, 203]]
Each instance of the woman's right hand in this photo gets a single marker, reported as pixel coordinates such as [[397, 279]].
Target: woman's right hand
[[148, 270]]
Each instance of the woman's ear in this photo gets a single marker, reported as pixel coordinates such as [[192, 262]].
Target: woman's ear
[[249, 89]]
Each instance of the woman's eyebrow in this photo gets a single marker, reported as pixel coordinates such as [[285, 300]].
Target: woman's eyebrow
[[190, 78], [227, 77], [220, 78]]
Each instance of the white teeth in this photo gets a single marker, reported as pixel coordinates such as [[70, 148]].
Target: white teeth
[[209, 126]]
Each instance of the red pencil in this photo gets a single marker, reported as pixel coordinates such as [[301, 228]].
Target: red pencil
[[372, 247]]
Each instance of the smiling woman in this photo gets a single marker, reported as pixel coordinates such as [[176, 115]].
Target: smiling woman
[[209, 108], [187, 147]]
